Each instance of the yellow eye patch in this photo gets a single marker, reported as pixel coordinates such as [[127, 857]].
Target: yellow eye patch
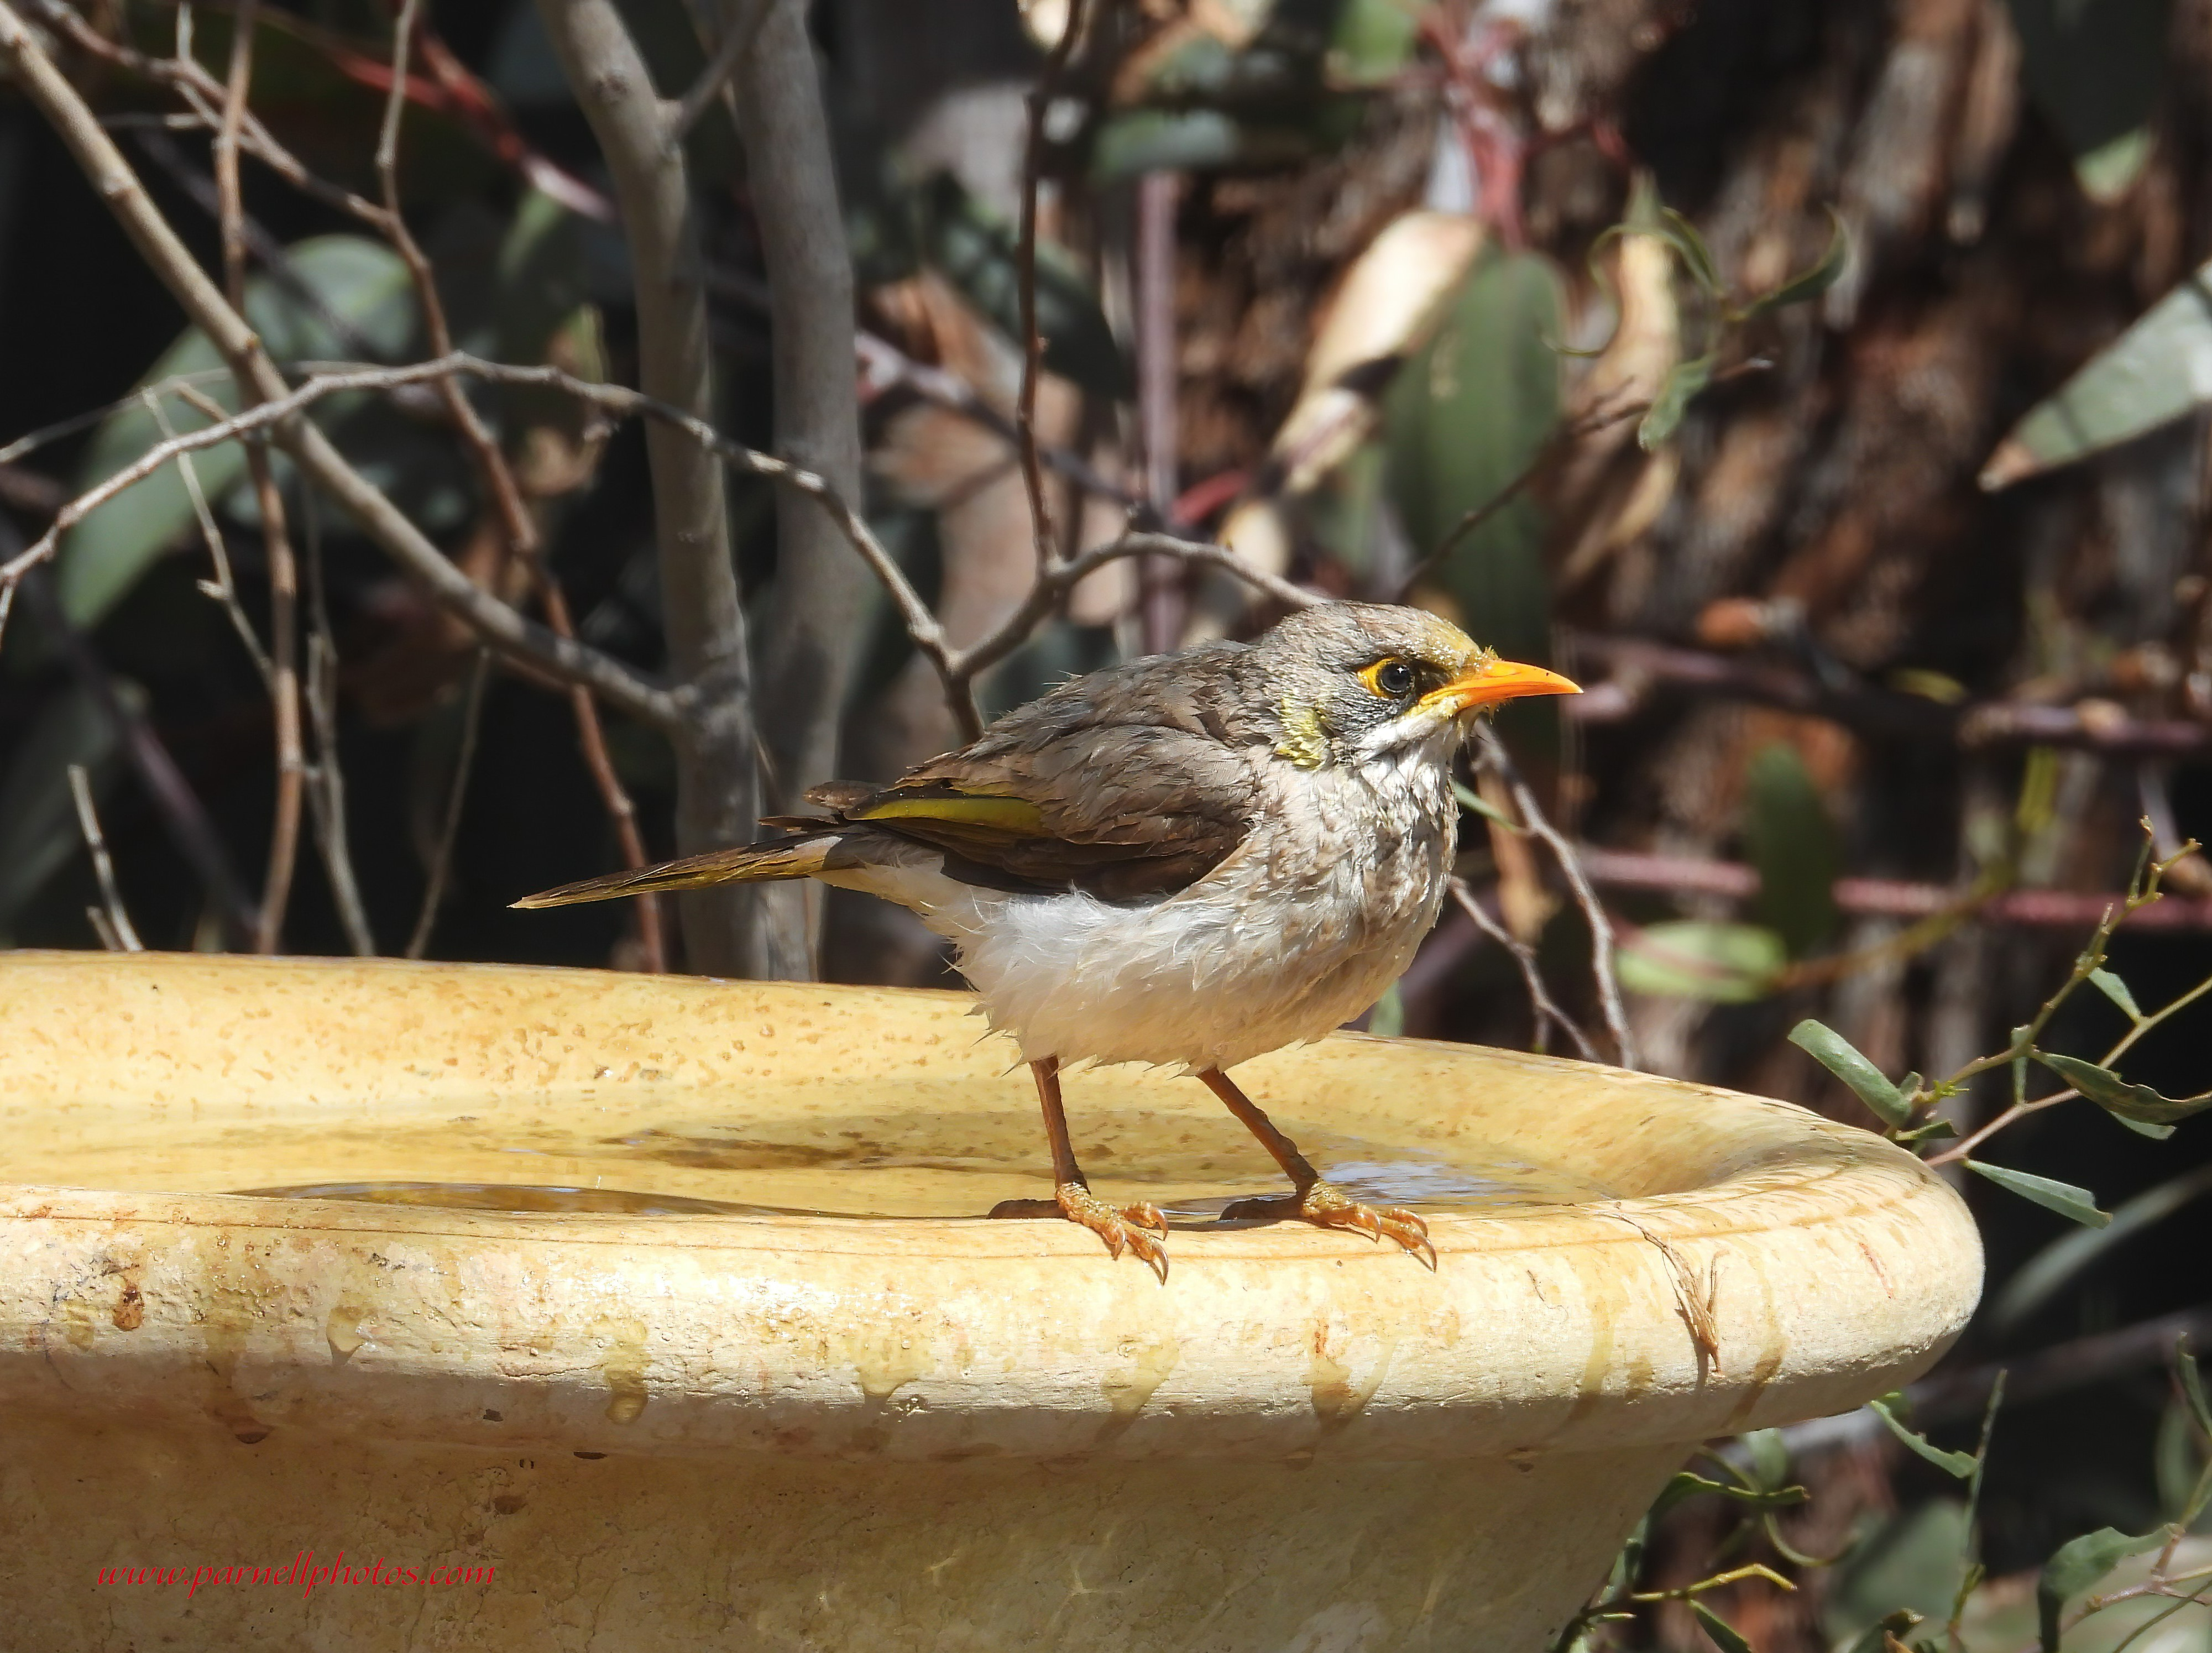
[[1388, 678]]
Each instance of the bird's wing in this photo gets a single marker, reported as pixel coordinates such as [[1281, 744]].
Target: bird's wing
[[1121, 789]]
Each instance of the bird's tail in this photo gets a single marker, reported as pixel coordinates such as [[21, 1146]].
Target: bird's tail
[[790, 858]]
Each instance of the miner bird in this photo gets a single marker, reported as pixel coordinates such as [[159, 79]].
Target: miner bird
[[1186, 860]]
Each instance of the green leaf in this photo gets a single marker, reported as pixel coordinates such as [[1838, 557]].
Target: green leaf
[[1725, 1636], [1676, 392], [39, 832], [1464, 418], [976, 252], [1475, 803], [2063, 1198], [1686, 1485], [361, 283], [1694, 958], [1896, 1625], [2058, 1264], [2117, 990], [2076, 1565], [1388, 1018], [1809, 285], [2115, 1095], [1961, 1464], [1793, 844], [2192, 1384], [1373, 39], [1841, 1057], [1683, 236], [2154, 374], [1770, 1457]]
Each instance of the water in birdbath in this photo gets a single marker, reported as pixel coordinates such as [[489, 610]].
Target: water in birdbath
[[934, 1147], [916, 1154]]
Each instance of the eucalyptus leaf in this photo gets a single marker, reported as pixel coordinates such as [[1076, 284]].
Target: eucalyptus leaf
[[2192, 1385], [1690, 245], [1877, 1635], [362, 282], [1676, 392], [1842, 1058], [1475, 803], [2075, 1567], [1725, 1636], [2154, 374], [1388, 1018], [1695, 958], [1464, 418], [2115, 1095], [976, 251], [1961, 1464], [38, 831], [1794, 845], [2117, 990], [2050, 1270], [1770, 1457], [1686, 1485], [2063, 1198], [1804, 288]]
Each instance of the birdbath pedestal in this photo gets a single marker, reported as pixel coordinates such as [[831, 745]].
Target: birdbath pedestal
[[383, 1306]]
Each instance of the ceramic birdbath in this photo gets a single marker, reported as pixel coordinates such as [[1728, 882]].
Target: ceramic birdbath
[[380, 1306]]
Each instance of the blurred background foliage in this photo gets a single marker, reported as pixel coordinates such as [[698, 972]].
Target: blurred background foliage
[[1821, 382]]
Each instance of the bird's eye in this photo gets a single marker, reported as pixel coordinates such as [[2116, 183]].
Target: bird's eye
[[1390, 679]]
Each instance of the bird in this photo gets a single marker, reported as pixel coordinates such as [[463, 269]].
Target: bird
[[1184, 861]]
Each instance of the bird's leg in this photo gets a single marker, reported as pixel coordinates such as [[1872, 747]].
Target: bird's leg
[[1141, 1228], [1314, 1201]]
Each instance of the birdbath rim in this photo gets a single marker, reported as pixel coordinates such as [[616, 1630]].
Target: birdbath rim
[[1749, 1263]]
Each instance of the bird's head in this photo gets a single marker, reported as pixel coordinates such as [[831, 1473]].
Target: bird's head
[[1361, 682]]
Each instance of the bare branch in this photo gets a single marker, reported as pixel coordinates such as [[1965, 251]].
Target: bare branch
[[713, 81], [813, 628], [118, 921], [434, 892], [115, 182], [706, 623], [283, 574], [1039, 101], [327, 782], [1541, 1001], [1495, 754]]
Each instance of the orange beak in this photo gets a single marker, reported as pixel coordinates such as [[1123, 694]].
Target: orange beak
[[1497, 680]]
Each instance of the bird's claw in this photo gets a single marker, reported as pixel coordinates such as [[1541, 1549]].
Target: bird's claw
[[1139, 1228], [1329, 1207]]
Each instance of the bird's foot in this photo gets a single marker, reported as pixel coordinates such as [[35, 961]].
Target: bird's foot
[[1325, 1204], [1139, 1228]]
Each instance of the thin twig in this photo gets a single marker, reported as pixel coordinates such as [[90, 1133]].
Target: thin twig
[[956, 667], [283, 574], [222, 589], [434, 892], [326, 782], [120, 189], [516, 521], [1039, 102], [88, 820], [1495, 754], [1545, 1008], [714, 80]]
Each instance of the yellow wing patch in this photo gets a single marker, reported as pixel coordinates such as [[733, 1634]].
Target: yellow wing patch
[[1015, 815]]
